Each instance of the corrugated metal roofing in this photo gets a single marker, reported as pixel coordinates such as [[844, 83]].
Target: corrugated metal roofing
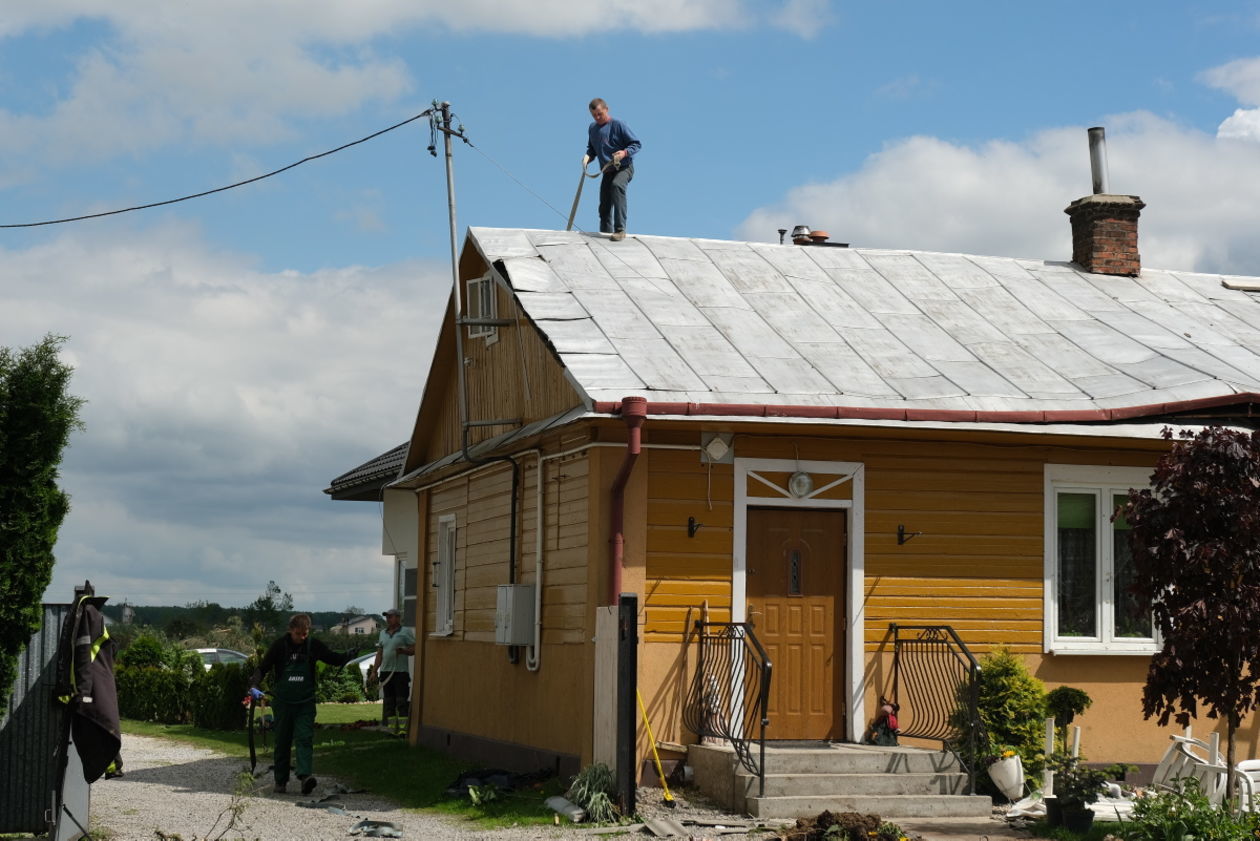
[[714, 322]]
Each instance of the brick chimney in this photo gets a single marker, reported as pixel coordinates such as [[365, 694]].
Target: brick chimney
[[1105, 233], [1104, 225]]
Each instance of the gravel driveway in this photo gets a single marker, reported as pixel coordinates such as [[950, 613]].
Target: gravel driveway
[[176, 789]]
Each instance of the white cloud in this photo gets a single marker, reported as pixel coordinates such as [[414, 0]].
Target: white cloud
[[1242, 79], [220, 402], [236, 70], [1243, 124], [1007, 198]]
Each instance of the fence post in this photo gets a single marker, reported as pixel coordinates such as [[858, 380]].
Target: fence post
[[627, 709]]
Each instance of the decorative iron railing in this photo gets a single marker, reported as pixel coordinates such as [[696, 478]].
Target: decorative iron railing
[[936, 685], [730, 693]]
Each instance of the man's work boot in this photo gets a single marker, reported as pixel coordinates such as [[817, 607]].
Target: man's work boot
[[308, 784], [618, 237], [280, 788]]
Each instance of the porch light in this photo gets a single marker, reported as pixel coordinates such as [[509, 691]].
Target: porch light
[[800, 484]]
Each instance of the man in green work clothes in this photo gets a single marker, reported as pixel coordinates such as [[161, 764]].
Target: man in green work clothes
[[291, 661]]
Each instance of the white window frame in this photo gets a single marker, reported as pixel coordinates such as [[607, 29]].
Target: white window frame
[[444, 576], [482, 302], [1104, 482]]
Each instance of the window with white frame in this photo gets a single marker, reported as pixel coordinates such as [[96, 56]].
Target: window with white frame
[[1089, 606], [444, 577], [482, 304]]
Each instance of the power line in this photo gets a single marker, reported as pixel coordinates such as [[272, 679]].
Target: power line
[[419, 116]]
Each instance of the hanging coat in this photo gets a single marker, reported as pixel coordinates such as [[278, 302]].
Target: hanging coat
[[94, 704]]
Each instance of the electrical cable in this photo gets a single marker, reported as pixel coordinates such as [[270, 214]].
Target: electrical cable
[[521, 184], [419, 116]]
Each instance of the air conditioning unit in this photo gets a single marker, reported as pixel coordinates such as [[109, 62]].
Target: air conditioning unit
[[514, 615]]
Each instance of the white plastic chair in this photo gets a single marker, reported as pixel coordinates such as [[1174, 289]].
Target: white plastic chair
[[1212, 778], [1247, 785], [1179, 760]]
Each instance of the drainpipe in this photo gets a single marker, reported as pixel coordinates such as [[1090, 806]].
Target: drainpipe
[[633, 412]]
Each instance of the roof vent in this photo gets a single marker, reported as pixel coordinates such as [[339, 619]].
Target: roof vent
[[803, 235]]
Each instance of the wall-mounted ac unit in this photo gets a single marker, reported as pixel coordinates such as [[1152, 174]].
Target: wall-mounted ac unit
[[514, 615]]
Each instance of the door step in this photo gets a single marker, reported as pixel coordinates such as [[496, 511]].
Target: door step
[[804, 779]]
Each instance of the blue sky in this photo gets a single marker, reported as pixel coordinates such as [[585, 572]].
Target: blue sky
[[240, 350]]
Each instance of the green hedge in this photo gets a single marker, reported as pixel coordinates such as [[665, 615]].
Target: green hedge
[[211, 699], [147, 693], [216, 697]]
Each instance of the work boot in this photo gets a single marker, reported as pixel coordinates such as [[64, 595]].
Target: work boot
[[308, 784], [280, 788], [618, 237]]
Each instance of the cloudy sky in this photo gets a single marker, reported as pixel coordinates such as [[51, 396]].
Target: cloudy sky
[[240, 350]]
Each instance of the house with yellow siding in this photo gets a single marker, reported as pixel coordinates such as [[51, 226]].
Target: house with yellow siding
[[814, 443]]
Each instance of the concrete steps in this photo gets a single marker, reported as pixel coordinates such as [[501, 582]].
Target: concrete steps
[[804, 779]]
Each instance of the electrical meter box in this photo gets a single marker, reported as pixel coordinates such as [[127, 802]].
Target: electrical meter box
[[514, 615]]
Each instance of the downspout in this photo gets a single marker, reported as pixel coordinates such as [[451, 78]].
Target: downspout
[[633, 412]]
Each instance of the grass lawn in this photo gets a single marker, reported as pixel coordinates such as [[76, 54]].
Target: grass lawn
[[415, 778]]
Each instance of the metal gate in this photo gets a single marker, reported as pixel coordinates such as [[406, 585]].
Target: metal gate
[[33, 738]]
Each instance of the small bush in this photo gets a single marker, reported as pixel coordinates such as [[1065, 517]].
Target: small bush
[[593, 789], [1012, 708], [338, 685]]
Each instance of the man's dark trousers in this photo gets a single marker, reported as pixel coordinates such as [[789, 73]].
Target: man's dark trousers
[[612, 198]]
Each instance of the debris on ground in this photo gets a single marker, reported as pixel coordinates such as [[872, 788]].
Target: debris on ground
[[377, 829], [842, 826], [494, 778]]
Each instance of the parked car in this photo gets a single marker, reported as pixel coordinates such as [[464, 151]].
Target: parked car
[[210, 656]]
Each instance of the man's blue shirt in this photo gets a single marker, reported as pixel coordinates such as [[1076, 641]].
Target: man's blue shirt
[[612, 136]]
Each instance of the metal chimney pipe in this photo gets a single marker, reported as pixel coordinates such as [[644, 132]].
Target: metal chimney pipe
[[1098, 158]]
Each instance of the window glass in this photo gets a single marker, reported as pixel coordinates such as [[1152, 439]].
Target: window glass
[[1133, 615], [481, 304], [1078, 565]]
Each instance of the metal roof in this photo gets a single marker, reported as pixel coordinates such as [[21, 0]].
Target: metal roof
[[696, 321]]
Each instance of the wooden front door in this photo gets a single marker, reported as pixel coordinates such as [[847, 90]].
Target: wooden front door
[[796, 602]]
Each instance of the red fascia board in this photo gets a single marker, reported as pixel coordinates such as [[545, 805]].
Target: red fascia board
[[613, 407]]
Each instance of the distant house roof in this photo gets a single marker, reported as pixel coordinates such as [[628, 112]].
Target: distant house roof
[[364, 483], [746, 328]]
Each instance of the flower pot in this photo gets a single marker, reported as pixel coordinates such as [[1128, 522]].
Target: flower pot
[[1008, 775], [1078, 818], [1054, 812]]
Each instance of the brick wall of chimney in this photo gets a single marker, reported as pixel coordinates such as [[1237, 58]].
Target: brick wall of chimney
[[1105, 233]]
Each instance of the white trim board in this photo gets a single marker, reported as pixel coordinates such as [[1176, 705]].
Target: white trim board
[[851, 471]]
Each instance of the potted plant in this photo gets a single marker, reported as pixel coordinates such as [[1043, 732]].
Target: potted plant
[[1075, 787], [1006, 769], [1064, 704]]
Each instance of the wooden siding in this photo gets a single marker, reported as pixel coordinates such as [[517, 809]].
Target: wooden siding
[[480, 502], [684, 572], [515, 376], [977, 563]]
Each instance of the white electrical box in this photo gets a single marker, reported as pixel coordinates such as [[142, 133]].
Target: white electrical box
[[514, 615]]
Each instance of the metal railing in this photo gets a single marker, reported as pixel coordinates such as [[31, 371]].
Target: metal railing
[[936, 680], [730, 693]]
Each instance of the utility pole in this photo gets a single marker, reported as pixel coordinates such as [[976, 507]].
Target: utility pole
[[440, 120]]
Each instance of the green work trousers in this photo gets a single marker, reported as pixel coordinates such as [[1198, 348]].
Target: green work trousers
[[294, 723]]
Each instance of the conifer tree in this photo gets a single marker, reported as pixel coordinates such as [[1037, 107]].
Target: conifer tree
[[37, 415]]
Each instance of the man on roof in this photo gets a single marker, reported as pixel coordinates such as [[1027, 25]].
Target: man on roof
[[614, 145]]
